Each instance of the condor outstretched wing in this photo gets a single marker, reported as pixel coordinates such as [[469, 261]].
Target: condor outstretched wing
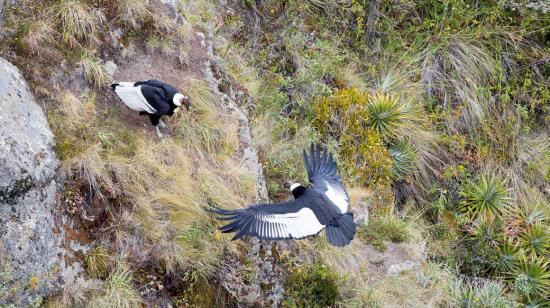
[[323, 173], [288, 220]]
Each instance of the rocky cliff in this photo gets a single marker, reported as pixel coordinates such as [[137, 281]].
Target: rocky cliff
[[29, 238]]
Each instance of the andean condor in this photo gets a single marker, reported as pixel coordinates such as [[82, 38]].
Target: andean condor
[[151, 97], [325, 205]]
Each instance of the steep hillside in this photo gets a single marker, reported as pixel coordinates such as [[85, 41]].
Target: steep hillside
[[436, 111]]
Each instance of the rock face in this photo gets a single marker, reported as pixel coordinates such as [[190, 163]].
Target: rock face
[[28, 237]]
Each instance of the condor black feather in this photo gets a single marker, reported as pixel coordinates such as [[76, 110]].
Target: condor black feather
[[324, 206], [151, 97]]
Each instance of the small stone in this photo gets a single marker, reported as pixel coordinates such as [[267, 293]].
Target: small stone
[[397, 269]]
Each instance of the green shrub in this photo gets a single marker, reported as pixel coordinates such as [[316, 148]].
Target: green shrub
[[509, 257], [311, 286], [344, 116], [386, 228]]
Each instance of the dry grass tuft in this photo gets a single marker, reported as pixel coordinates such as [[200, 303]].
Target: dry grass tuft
[[77, 109], [118, 290], [39, 34], [349, 77], [183, 56], [456, 73], [90, 167], [239, 67], [165, 24], [160, 43], [280, 147], [78, 21], [185, 32], [517, 156], [94, 71], [133, 12]]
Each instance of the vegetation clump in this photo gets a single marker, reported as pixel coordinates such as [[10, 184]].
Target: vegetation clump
[[345, 116], [313, 285], [97, 263]]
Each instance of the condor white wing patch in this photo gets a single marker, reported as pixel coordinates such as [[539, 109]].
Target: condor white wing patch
[[338, 196], [133, 98], [297, 225], [262, 222]]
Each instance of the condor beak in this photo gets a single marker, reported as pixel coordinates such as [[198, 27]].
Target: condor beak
[[287, 184], [187, 107]]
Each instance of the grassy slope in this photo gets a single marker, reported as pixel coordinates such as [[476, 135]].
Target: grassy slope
[[143, 197], [459, 136]]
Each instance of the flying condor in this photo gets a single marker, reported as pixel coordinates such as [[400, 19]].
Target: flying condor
[[151, 97], [324, 206]]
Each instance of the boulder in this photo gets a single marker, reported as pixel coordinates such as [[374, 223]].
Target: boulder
[[29, 239]]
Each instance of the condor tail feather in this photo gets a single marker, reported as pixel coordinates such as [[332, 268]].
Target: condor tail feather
[[341, 231]]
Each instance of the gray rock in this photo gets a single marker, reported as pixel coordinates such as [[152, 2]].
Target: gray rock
[[362, 218], [110, 68], [28, 165]]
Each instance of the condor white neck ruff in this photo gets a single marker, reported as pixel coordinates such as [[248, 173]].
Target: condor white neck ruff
[[178, 98], [294, 186]]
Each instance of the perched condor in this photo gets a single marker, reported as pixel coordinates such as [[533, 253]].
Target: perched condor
[[325, 205], [151, 97]]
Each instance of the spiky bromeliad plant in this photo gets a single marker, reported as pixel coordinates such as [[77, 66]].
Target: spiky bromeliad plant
[[403, 155], [531, 278], [388, 116], [535, 240], [485, 198], [509, 257]]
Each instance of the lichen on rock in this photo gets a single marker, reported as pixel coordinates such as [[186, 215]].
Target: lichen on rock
[[29, 246]]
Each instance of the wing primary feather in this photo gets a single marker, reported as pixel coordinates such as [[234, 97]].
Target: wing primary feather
[[324, 161], [229, 227], [318, 157], [312, 157], [264, 229], [226, 217], [306, 162], [246, 228], [222, 211]]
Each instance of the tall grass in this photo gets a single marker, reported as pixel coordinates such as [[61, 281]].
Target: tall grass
[[38, 35], [133, 12], [480, 293], [513, 152], [94, 71], [78, 21], [119, 290], [456, 72]]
